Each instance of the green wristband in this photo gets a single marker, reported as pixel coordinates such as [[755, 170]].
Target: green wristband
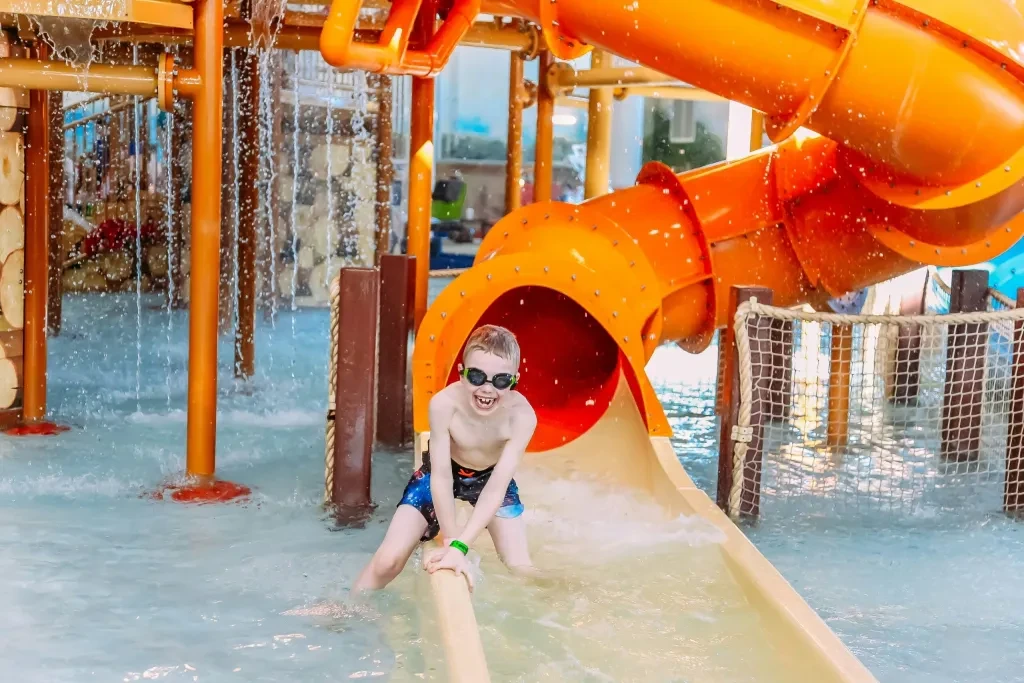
[[460, 546]]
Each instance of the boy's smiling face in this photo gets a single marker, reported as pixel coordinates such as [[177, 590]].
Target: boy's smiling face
[[485, 399]]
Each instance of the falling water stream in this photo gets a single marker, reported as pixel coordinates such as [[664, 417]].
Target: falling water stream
[[296, 165], [170, 153], [137, 139], [236, 184], [267, 85], [330, 174]]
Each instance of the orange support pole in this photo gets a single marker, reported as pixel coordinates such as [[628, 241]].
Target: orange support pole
[[37, 190], [421, 168], [514, 156], [205, 265], [543, 173]]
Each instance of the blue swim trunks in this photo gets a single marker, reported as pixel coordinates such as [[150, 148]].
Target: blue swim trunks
[[467, 485]]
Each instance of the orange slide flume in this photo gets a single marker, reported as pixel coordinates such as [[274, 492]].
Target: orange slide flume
[[918, 107]]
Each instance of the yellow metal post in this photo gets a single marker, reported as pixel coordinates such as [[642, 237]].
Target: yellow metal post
[[599, 135]]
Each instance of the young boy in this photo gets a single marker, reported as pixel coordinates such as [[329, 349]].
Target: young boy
[[479, 429]]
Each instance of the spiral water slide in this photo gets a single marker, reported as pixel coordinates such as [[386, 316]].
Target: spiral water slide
[[918, 107]]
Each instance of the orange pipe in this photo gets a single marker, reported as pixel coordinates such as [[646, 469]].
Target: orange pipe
[[37, 190], [205, 241], [543, 172], [42, 74], [391, 54], [514, 155]]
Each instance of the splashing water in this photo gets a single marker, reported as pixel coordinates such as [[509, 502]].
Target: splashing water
[[170, 155], [296, 165], [236, 188], [267, 118], [70, 39], [358, 135], [137, 140], [330, 173]]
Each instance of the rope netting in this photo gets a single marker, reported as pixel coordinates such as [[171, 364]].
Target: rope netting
[[892, 413], [332, 384]]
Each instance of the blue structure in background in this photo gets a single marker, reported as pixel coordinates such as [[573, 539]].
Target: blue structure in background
[[1007, 270]]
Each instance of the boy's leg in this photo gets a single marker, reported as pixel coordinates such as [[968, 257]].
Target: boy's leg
[[403, 535], [509, 537]]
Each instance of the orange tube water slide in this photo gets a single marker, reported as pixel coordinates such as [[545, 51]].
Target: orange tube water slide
[[920, 161]]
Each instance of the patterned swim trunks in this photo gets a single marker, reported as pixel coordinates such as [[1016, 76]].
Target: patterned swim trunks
[[467, 485]]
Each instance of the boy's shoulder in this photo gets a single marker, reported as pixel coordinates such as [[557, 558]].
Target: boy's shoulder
[[520, 407]]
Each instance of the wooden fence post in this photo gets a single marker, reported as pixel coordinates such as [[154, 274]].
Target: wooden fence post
[[354, 393], [966, 348], [761, 367], [397, 302], [1013, 491], [781, 395]]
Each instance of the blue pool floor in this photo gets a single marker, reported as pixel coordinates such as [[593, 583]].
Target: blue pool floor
[[99, 582]]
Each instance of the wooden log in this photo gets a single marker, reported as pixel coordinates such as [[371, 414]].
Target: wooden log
[[966, 351], [12, 344], [13, 101], [1013, 485], [11, 380], [337, 155], [318, 285], [307, 259], [12, 231], [12, 168], [354, 392], [156, 261], [397, 301], [12, 289], [116, 266], [760, 348]]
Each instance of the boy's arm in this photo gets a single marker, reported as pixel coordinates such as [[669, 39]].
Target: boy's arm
[[441, 489], [524, 421]]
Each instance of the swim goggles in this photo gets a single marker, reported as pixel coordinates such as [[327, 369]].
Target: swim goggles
[[501, 381]]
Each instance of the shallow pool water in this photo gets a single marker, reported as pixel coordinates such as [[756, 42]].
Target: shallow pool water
[[101, 582]]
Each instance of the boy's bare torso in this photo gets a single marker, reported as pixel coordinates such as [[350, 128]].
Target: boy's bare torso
[[477, 442]]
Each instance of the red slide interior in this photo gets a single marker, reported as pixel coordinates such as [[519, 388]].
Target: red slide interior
[[570, 365]]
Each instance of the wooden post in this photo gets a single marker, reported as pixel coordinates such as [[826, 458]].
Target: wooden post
[[354, 392], [514, 153], [1013, 488], [179, 163], [226, 306], [543, 162], [906, 381], [781, 394], [599, 134], [56, 213], [760, 366], [37, 251], [385, 167], [838, 429], [248, 200], [966, 348], [397, 291]]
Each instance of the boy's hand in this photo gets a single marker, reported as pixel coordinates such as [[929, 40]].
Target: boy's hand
[[449, 558]]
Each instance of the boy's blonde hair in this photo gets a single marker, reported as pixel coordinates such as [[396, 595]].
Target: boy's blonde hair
[[493, 339]]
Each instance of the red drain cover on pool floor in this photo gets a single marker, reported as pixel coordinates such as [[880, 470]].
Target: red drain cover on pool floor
[[216, 492], [37, 429]]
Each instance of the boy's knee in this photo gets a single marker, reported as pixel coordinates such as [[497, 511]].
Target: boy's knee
[[388, 565]]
